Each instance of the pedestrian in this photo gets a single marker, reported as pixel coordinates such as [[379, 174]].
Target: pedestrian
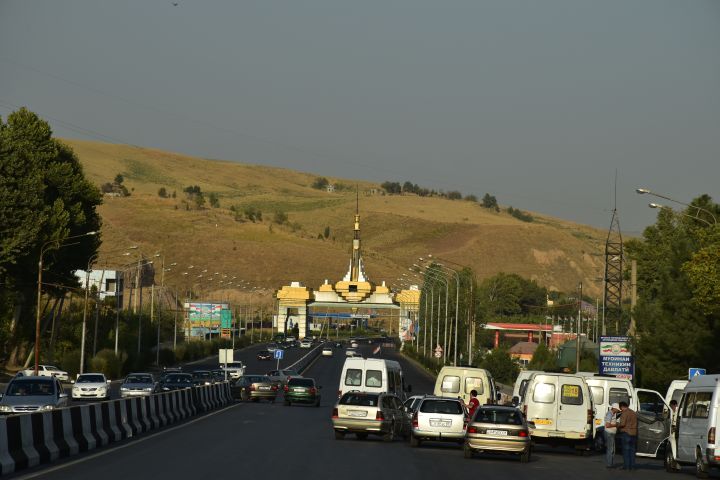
[[610, 431], [627, 426], [473, 404]]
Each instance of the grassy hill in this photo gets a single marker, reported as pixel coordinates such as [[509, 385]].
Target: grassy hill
[[396, 229]]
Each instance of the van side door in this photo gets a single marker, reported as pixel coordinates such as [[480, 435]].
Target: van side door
[[572, 407], [653, 422]]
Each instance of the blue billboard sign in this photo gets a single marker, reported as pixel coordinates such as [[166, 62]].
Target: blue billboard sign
[[616, 357]]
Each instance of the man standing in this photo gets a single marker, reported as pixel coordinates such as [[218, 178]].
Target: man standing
[[627, 426], [473, 404], [610, 431]]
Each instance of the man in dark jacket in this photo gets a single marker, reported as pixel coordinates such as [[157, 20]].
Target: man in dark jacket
[[627, 426]]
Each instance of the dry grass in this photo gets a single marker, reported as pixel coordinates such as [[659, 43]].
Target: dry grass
[[396, 229]]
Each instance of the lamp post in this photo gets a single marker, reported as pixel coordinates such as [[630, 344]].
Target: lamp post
[[657, 205], [645, 191], [58, 244], [437, 276]]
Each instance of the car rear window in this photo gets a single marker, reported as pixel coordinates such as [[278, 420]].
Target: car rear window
[[571, 394], [353, 377], [450, 407], [491, 415], [450, 384], [138, 379], [544, 393], [179, 378], [301, 382], [373, 378], [358, 399]]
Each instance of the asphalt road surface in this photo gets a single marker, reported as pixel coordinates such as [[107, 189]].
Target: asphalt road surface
[[263, 440]]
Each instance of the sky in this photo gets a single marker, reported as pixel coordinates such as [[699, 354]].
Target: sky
[[536, 102]]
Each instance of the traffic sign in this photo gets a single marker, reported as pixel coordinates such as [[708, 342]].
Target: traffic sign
[[279, 354], [695, 372]]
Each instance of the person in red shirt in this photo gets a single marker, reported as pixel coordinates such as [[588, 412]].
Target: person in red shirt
[[474, 403]]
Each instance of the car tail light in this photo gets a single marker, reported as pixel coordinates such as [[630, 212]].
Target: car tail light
[[313, 390], [286, 388], [415, 420], [379, 415], [522, 433], [472, 429], [335, 413], [711, 435]]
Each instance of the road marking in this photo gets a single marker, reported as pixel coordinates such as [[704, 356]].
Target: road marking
[[133, 441]]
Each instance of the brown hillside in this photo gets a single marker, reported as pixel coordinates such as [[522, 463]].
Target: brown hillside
[[396, 230]]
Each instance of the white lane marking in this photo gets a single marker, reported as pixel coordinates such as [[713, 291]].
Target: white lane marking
[[133, 441]]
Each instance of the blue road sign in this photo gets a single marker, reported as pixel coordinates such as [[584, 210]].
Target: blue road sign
[[279, 354], [695, 372]]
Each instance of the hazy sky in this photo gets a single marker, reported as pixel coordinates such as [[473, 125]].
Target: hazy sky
[[537, 102]]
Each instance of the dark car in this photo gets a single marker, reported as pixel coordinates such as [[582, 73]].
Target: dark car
[[302, 390], [176, 381], [254, 388], [203, 377], [264, 355], [219, 375]]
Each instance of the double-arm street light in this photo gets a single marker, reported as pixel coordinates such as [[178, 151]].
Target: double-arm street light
[[43, 249], [645, 191], [436, 276]]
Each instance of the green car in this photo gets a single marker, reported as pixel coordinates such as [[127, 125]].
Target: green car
[[302, 390]]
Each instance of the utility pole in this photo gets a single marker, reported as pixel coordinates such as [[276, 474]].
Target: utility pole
[[579, 329], [175, 322], [633, 296]]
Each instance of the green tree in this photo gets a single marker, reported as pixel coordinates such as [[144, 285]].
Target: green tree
[[320, 183], [502, 367], [119, 179], [44, 197], [500, 294], [280, 217], [454, 195], [214, 200], [199, 200], [489, 201], [543, 359]]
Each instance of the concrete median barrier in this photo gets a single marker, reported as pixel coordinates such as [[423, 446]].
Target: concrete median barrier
[[31, 439]]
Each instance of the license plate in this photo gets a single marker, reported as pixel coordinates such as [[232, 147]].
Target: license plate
[[556, 434], [264, 388], [501, 433], [357, 413], [542, 421], [440, 423], [299, 390]]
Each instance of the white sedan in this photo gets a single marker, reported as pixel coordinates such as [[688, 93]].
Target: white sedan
[[306, 344], [48, 371], [91, 385], [327, 352]]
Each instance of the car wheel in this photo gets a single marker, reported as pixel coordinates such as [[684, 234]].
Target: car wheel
[[361, 435], [701, 470], [414, 441], [339, 435], [468, 452], [390, 435], [525, 456], [671, 466]]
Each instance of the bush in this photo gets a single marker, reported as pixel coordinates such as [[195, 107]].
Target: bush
[[70, 362], [167, 357], [108, 363]]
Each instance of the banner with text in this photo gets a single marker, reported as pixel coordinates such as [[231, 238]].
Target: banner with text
[[616, 357]]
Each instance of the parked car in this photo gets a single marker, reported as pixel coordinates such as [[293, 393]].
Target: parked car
[[91, 385], [302, 390], [281, 377], [203, 377], [138, 384], [32, 394], [327, 352], [365, 413], [254, 388], [496, 428], [176, 381], [438, 419], [264, 355], [47, 371]]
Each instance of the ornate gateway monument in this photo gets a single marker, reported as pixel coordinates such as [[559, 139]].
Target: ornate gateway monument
[[354, 301]]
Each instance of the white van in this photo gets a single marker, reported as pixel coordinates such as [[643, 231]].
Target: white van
[[675, 390], [373, 375], [694, 439], [653, 413], [458, 382], [521, 383], [561, 407]]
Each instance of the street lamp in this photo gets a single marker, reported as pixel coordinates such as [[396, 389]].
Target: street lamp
[[645, 191], [435, 275], [657, 205], [58, 244]]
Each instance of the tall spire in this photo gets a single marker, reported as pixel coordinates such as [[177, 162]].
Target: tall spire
[[356, 265]]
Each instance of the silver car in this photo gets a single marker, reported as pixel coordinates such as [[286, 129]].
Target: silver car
[[32, 394], [138, 384]]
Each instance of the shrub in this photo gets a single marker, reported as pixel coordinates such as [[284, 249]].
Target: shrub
[[167, 357], [108, 363]]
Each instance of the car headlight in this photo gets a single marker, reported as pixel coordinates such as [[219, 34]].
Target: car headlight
[[47, 407], [123, 388], [5, 408], [166, 388], [148, 389]]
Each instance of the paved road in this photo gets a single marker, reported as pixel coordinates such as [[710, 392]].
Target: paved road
[[264, 440]]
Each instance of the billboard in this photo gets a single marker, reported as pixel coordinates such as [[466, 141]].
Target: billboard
[[616, 357], [211, 315]]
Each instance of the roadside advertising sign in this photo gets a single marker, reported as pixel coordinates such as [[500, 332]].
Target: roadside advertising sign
[[616, 358]]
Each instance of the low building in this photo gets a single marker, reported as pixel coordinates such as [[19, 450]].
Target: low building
[[523, 352], [108, 283]]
